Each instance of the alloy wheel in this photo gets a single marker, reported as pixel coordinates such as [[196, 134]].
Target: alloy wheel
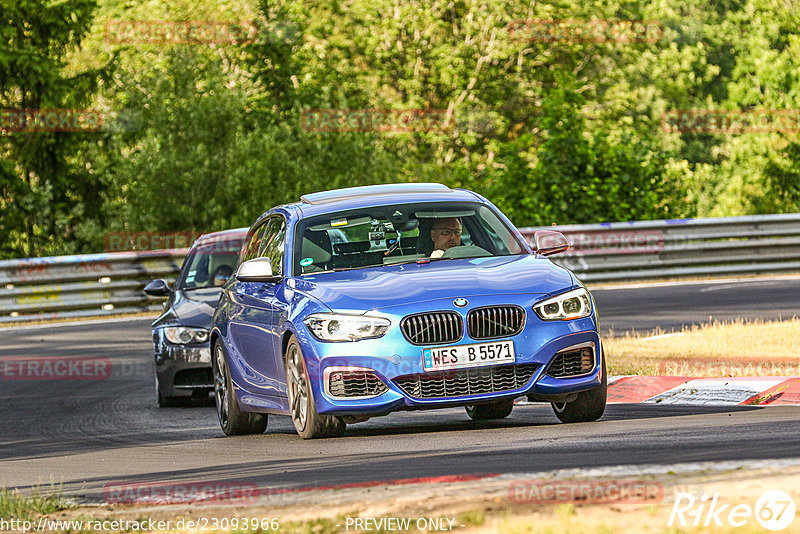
[[298, 388], [221, 385]]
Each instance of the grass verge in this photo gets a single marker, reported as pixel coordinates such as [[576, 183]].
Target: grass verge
[[719, 349], [15, 505]]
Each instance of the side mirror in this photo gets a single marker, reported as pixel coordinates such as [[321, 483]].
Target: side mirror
[[549, 242], [257, 270], [157, 288]]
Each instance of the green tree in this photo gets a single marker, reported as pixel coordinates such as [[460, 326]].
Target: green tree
[[45, 188]]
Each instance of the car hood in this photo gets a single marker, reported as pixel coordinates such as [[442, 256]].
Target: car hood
[[196, 307], [392, 285]]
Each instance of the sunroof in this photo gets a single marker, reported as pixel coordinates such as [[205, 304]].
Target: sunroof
[[324, 197]]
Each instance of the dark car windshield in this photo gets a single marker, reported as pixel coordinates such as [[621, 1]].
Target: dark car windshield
[[384, 235], [210, 264]]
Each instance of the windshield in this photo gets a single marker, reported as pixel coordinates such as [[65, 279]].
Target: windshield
[[385, 235], [210, 265]]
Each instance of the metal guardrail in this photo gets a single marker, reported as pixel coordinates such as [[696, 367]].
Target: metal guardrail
[[680, 247], [83, 285], [111, 283]]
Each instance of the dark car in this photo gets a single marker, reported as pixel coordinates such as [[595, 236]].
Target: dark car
[[180, 334], [359, 302]]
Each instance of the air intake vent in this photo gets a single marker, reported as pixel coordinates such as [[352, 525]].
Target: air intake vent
[[354, 383], [495, 321], [470, 381], [575, 361], [433, 328]]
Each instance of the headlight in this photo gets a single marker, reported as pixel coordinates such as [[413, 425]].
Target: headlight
[[184, 335], [570, 305], [336, 327]]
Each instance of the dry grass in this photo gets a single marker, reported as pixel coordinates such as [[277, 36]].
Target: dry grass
[[737, 348]]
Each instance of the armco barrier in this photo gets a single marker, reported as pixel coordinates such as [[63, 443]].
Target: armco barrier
[[680, 247], [98, 284], [76, 286]]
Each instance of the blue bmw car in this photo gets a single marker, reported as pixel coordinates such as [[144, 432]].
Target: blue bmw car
[[359, 302]]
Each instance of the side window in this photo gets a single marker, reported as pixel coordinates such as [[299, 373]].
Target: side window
[[272, 244], [252, 244]]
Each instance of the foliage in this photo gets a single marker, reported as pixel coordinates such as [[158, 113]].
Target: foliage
[[552, 132], [45, 188]]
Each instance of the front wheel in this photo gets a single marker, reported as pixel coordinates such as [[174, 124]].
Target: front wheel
[[166, 401], [494, 410], [589, 406], [308, 423], [231, 418]]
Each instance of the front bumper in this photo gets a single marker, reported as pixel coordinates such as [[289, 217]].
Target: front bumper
[[181, 370], [392, 357]]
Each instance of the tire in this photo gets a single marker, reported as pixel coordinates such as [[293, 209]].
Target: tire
[[169, 401], [232, 419], [495, 410], [308, 423], [589, 406]]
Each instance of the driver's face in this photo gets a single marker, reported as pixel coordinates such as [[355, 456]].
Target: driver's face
[[446, 233]]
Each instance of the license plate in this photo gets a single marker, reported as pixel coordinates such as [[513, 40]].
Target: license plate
[[475, 355]]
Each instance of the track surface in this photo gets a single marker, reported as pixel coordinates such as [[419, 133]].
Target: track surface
[[85, 434], [672, 306]]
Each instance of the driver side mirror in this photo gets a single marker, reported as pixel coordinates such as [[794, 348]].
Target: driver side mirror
[[549, 242], [157, 288], [257, 270]]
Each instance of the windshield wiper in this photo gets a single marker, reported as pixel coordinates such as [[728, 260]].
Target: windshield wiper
[[339, 269]]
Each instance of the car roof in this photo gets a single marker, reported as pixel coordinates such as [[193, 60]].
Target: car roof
[[379, 195], [234, 233]]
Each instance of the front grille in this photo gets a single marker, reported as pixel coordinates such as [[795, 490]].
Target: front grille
[[572, 362], [470, 381], [355, 384], [432, 328], [495, 321]]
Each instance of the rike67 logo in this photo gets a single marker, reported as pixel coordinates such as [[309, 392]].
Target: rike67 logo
[[774, 510]]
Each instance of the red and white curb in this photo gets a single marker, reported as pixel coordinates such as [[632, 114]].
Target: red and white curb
[[728, 391]]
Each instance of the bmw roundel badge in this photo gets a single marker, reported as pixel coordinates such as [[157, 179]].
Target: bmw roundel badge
[[460, 302]]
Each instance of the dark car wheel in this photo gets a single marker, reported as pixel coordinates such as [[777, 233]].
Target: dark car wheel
[[231, 418], [589, 406], [493, 410], [308, 423], [165, 401]]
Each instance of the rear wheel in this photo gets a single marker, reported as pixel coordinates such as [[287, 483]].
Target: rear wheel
[[308, 423], [494, 410], [231, 418], [589, 406]]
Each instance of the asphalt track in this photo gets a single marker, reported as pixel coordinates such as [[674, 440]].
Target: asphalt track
[[85, 435]]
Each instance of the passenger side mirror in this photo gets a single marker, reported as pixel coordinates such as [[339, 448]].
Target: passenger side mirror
[[549, 242], [157, 288], [257, 270]]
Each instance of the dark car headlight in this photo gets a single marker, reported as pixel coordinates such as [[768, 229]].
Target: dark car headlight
[[573, 304], [340, 327], [185, 335]]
